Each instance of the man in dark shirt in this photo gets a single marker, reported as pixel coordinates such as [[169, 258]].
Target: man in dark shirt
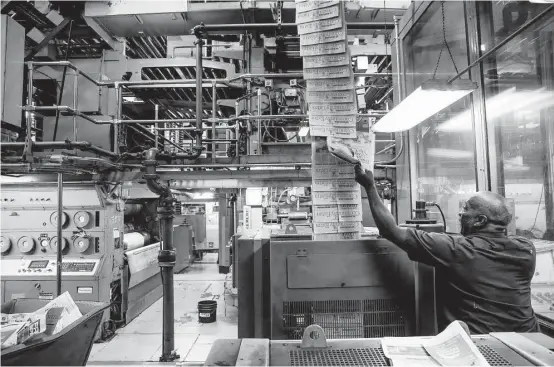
[[483, 277]]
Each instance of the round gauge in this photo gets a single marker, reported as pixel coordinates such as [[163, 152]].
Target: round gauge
[[26, 244], [54, 244], [54, 219], [5, 244], [81, 244], [81, 219]]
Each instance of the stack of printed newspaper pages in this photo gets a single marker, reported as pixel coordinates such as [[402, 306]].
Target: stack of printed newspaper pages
[[26, 328], [332, 111]]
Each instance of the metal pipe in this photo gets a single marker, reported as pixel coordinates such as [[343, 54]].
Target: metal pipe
[[156, 126], [401, 149], [199, 112], [521, 29], [202, 28], [237, 129], [166, 256], [119, 111], [59, 224], [159, 121], [28, 116], [214, 115], [259, 124], [74, 68], [191, 128], [68, 110], [219, 140], [173, 166], [226, 45], [124, 295], [373, 74], [163, 138], [69, 145], [269, 76], [75, 102]]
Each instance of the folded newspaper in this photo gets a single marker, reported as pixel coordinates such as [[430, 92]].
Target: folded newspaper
[[452, 347], [49, 320]]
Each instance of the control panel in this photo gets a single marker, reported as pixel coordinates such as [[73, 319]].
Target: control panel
[[41, 243], [47, 267]]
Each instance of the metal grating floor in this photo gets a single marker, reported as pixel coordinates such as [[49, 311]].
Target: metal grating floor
[[367, 357], [338, 357]]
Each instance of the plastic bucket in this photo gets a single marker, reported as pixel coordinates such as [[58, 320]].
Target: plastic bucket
[[207, 311]]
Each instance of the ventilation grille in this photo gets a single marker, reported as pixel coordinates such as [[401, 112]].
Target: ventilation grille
[[367, 357], [492, 356], [338, 357], [345, 319]]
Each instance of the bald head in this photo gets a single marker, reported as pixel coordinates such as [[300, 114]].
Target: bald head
[[486, 211]]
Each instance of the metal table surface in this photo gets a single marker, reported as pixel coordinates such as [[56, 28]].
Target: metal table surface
[[362, 352]]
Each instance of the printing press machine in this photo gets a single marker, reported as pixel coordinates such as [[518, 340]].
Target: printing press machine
[[499, 349], [103, 259], [286, 282]]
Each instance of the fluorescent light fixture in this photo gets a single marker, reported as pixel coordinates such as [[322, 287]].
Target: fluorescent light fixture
[[201, 195], [303, 131], [449, 153], [506, 102], [431, 97]]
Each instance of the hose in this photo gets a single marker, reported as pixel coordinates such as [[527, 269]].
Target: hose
[[432, 203]]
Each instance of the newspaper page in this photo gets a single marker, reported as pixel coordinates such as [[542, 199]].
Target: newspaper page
[[452, 347], [48, 320], [407, 352]]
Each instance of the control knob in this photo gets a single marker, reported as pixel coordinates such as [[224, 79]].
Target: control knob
[[81, 244], [81, 219], [5, 244], [26, 244], [54, 219], [54, 244]]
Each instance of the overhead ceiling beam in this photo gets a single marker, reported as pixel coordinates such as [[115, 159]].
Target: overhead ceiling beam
[[101, 32], [49, 37]]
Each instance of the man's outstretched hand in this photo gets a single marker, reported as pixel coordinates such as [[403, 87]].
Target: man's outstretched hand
[[363, 177]]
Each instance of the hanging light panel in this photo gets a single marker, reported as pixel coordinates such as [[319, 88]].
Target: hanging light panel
[[431, 97]]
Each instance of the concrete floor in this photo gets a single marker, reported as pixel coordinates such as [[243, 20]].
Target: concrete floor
[[140, 342]]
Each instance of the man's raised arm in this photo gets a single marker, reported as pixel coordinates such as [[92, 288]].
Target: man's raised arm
[[383, 218]]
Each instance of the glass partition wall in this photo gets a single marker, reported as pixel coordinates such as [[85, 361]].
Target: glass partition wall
[[436, 48], [518, 85], [501, 137]]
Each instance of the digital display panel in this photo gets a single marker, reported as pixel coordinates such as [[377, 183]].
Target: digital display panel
[[38, 264]]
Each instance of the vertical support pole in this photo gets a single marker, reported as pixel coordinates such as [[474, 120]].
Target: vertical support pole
[[547, 129], [214, 115], [157, 125], [166, 259], [59, 255], [28, 114], [259, 122], [199, 72], [75, 103], [482, 158], [124, 294], [237, 129], [118, 125]]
